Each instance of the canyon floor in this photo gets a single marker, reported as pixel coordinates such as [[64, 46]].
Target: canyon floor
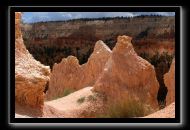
[[66, 107], [69, 107]]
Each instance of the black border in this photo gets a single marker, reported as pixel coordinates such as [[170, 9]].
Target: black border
[[98, 2], [95, 9]]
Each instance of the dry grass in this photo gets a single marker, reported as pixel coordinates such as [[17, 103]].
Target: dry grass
[[66, 92], [81, 100], [92, 98], [124, 108]]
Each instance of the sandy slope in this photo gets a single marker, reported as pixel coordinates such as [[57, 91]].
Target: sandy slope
[[69, 107], [168, 112]]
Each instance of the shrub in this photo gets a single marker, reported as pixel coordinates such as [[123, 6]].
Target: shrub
[[81, 100], [162, 104], [67, 91], [125, 108], [92, 98]]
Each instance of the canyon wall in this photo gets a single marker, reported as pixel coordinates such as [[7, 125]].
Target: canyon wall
[[60, 39], [30, 75]]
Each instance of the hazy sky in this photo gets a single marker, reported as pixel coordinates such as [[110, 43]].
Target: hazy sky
[[30, 17]]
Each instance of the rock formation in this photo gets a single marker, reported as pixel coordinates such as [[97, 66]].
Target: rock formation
[[30, 75], [70, 75], [169, 80], [127, 74], [66, 74], [96, 63]]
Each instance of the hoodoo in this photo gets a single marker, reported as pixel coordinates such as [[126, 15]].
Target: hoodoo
[[68, 74], [169, 79], [127, 73], [30, 75]]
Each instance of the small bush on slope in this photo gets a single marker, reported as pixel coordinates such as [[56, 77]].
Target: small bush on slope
[[125, 108], [92, 98], [81, 100], [66, 92]]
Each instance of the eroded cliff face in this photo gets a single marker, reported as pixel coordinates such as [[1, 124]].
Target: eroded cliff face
[[30, 75], [169, 80], [68, 74], [58, 39], [125, 73]]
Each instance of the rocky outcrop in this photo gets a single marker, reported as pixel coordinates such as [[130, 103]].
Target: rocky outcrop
[[169, 80], [17, 25], [127, 74], [68, 74], [30, 75], [95, 63]]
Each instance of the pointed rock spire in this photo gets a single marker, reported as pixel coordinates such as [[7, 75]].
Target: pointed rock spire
[[68, 74], [127, 73], [169, 80]]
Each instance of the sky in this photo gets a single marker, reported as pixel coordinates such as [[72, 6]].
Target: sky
[[31, 17]]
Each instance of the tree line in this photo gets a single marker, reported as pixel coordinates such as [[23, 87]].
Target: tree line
[[103, 18]]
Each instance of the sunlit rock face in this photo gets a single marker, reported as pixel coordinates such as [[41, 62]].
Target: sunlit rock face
[[169, 80], [96, 63], [125, 73], [68, 74], [30, 75]]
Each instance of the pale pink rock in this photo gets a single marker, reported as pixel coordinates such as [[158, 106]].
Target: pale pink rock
[[30, 75], [68, 74], [125, 73], [169, 80]]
